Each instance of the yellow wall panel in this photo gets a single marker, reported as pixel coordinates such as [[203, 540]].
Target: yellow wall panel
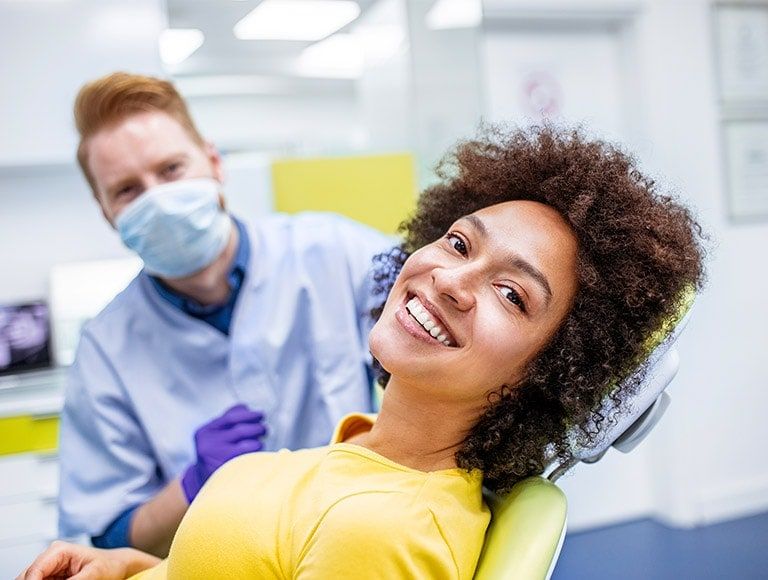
[[378, 190]]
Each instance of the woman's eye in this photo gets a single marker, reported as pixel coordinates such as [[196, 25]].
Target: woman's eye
[[457, 243], [513, 296]]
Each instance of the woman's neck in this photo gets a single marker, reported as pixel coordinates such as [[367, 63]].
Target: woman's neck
[[415, 430]]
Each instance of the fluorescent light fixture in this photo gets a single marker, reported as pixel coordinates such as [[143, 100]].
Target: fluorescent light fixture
[[339, 56], [454, 14], [177, 44], [296, 19]]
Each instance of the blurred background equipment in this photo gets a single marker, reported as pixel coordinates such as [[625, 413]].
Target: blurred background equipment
[[25, 337], [78, 291]]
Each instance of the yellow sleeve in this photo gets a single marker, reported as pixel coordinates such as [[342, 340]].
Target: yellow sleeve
[[377, 535]]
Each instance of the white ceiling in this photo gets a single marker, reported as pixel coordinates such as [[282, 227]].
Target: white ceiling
[[222, 53]]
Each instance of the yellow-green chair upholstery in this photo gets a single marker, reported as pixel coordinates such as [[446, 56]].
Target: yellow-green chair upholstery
[[526, 532]]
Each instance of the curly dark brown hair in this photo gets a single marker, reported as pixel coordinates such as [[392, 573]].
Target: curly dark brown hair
[[639, 251]]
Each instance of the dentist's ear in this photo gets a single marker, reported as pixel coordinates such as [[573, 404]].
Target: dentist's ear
[[214, 158], [217, 169]]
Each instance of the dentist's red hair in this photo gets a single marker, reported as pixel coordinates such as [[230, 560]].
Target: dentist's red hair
[[109, 100]]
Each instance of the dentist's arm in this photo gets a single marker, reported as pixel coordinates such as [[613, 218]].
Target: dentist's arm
[[239, 430], [155, 522]]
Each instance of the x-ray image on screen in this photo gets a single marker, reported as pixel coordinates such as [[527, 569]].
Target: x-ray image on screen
[[24, 337]]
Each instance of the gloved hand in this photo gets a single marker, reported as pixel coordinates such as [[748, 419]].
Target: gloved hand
[[239, 430]]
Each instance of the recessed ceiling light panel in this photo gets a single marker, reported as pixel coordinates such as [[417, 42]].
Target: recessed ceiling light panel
[[296, 19], [177, 44]]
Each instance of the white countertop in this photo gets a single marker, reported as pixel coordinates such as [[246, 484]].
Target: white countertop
[[33, 393]]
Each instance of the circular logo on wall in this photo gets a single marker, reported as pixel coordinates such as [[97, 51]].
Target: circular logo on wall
[[542, 95]]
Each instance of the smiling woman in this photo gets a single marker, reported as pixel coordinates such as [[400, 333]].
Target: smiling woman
[[636, 250], [528, 283]]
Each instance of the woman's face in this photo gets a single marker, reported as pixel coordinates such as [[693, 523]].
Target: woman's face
[[470, 310]]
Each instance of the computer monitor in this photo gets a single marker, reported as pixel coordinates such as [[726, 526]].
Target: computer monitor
[[25, 337]]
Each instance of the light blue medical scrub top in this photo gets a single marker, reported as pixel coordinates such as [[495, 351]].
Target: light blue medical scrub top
[[147, 375]]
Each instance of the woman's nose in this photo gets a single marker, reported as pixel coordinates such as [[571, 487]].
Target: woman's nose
[[455, 286]]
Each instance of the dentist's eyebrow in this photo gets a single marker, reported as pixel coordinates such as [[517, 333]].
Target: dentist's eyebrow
[[517, 262]]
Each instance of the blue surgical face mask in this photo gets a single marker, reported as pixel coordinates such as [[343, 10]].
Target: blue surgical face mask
[[177, 228]]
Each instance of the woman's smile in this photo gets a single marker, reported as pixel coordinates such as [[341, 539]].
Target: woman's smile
[[423, 324]]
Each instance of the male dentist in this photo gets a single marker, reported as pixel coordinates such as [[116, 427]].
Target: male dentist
[[234, 337]]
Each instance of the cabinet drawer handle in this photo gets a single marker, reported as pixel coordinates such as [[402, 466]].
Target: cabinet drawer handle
[[44, 416]]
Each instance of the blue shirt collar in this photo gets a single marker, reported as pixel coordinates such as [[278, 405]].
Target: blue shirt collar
[[235, 279]]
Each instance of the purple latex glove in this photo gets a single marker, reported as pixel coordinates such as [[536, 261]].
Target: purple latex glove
[[239, 430]]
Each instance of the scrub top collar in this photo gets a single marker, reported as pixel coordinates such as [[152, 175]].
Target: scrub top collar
[[217, 315]]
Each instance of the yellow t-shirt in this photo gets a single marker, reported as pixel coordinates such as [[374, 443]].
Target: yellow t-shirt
[[333, 512]]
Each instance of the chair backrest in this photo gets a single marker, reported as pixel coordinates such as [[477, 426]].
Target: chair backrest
[[632, 424], [526, 532], [528, 525]]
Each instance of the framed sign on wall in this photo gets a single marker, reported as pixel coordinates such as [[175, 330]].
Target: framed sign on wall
[[742, 62], [746, 167]]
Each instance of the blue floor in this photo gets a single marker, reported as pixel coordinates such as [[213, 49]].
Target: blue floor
[[647, 550]]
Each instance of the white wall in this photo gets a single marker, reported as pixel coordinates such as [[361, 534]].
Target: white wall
[[709, 463], [426, 95], [48, 216], [703, 462], [446, 86], [288, 123], [384, 91], [49, 48]]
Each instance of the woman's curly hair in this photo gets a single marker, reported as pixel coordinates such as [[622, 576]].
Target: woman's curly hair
[[638, 252]]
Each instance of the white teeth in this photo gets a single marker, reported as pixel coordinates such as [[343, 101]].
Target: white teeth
[[423, 317]]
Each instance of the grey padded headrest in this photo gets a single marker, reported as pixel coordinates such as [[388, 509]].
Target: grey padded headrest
[[642, 412]]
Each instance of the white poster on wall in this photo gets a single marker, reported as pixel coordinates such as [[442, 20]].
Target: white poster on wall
[[746, 145], [563, 76], [743, 52]]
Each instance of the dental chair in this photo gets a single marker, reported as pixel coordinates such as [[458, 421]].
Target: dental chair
[[528, 524]]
